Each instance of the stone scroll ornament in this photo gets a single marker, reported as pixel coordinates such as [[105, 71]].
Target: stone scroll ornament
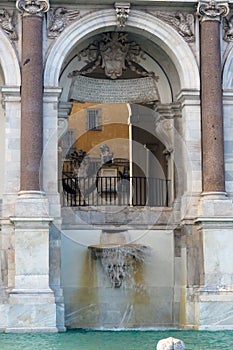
[[212, 10], [33, 7], [7, 24]]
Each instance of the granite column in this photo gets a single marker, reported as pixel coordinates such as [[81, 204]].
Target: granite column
[[211, 97], [31, 94]]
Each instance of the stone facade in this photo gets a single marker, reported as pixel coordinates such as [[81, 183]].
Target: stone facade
[[183, 127]]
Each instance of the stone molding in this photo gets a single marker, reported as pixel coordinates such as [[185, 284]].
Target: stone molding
[[52, 94], [212, 11], [169, 110], [10, 94], [33, 7]]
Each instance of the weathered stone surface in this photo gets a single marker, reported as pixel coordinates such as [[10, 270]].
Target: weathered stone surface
[[212, 118], [170, 344]]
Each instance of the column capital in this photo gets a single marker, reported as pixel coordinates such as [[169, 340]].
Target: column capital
[[212, 10], [33, 7]]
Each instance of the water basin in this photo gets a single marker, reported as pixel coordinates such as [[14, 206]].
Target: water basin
[[118, 340]]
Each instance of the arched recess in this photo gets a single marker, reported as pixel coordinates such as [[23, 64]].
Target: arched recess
[[228, 72], [141, 23], [77, 34], [10, 81], [9, 62]]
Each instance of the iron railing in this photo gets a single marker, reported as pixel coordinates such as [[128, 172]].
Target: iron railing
[[113, 190]]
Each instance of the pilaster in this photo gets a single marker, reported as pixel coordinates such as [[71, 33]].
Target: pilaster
[[188, 150], [49, 162]]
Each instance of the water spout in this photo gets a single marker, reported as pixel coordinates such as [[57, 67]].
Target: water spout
[[119, 261]]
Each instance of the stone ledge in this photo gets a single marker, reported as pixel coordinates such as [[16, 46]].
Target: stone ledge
[[31, 330]]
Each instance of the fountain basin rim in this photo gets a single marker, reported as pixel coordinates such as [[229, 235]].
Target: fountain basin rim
[[112, 246]]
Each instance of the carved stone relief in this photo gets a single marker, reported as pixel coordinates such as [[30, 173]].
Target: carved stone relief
[[122, 13], [33, 7], [59, 19], [228, 29], [183, 23], [212, 10], [7, 24], [113, 53], [165, 129]]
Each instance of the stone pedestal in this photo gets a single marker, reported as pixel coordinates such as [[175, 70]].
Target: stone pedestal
[[31, 302], [214, 204], [215, 296]]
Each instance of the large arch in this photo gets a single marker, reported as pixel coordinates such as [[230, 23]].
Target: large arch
[[174, 46], [141, 23], [10, 81], [227, 78], [227, 71], [9, 62]]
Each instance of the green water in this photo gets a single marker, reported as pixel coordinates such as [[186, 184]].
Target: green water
[[120, 340]]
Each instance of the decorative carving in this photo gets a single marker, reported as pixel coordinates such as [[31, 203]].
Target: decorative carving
[[120, 261], [228, 29], [164, 129], [33, 7], [122, 13], [105, 155], [212, 10], [6, 23], [113, 53], [183, 23], [59, 19], [62, 126]]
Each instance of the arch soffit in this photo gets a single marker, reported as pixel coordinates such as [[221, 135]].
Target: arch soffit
[[144, 24], [9, 62], [228, 72]]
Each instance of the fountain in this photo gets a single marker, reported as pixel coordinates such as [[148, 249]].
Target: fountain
[[118, 258]]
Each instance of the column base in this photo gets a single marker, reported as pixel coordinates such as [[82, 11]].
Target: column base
[[32, 204], [208, 308], [215, 308], [214, 204], [31, 304]]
